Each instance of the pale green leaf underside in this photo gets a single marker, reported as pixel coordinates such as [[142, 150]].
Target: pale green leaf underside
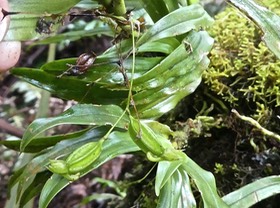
[[206, 184], [265, 19], [23, 25], [253, 192]]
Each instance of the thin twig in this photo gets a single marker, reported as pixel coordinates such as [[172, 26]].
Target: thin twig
[[6, 127]]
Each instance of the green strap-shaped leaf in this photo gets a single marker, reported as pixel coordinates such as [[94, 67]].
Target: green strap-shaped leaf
[[23, 25], [181, 61], [176, 23], [187, 194], [53, 186], [265, 19], [156, 9], [105, 72], [166, 45], [69, 87], [35, 187], [101, 84], [14, 179], [117, 143], [83, 114], [170, 193], [161, 88], [205, 182], [254, 192], [175, 188], [40, 143], [42, 7], [165, 170]]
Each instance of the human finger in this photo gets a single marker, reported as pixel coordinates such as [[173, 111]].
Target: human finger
[[10, 50]]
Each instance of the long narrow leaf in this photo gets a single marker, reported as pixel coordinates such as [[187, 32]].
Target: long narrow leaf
[[205, 183], [265, 19], [156, 9], [187, 197], [253, 192], [164, 172], [170, 193], [83, 114], [180, 74], [23, 25], [53, 186], [41, 143], [178, 22], [164, 198], [69, 87], [34, 188], [176, 191], [42, 7]]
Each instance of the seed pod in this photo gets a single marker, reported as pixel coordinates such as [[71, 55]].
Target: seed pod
[[58, 166], [85, 61], [145, 138], [84, 156]]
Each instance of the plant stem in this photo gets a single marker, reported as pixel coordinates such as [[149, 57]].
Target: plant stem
[[45, 95], [132, 70], [130, 97], [257, 125], [117, 7]]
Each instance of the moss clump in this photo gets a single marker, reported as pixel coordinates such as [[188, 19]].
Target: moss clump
[[243, 70]]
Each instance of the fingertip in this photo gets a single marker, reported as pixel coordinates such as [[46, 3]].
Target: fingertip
[[9, 54]]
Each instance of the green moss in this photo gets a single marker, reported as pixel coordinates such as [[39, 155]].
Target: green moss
[[242, 68]]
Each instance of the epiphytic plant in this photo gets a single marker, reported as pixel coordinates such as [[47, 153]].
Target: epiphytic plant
[[153, 64]]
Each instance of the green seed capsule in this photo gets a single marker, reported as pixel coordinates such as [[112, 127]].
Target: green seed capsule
[[58, 166], [84, 156], [145, 138]]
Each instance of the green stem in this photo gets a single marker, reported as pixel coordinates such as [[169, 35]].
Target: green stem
[[45, 95], [130, 84], [129, 98], [43, 104], [117, 7], [133, 68]]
